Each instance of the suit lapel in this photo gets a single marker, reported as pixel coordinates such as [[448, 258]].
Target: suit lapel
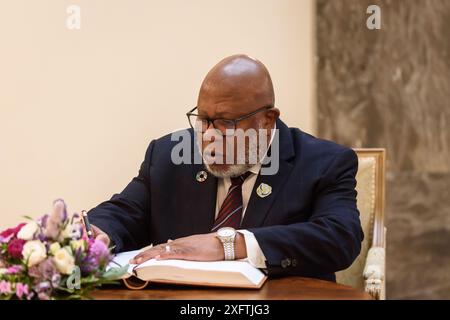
[[204, 200], [258, 207], [202, 194]]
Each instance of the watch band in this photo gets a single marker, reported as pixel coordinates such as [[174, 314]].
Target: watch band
[[228, 247]]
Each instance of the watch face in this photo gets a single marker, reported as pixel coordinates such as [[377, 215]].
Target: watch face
[[226, 232]]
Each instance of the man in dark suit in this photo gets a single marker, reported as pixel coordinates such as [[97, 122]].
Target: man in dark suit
[[298, 219]]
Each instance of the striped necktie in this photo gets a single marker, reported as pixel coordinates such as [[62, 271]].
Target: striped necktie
[[230, 213]]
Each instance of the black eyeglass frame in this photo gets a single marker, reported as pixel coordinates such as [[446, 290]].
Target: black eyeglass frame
[[234, 121]]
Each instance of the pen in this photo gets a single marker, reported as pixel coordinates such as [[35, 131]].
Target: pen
[[87, 224]]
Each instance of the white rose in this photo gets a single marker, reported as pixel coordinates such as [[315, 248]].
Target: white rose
[[27, 232], [64, 260], [34, 252], [55, 246], [2, 271]]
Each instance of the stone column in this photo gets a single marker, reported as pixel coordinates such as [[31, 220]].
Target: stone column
[[391, 88]]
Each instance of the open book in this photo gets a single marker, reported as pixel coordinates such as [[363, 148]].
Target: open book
[[238, 274]]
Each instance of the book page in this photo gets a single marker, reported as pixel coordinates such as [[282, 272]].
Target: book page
[[122, 259], [251, 273]]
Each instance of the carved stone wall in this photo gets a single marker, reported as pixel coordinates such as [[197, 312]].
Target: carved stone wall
[[391, 88]]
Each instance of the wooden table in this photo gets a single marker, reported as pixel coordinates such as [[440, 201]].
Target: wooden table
[[290, 288]]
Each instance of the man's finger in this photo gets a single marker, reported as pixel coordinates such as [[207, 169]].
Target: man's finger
[[141, 258], [103, 238], [96, 231], [146, 255]]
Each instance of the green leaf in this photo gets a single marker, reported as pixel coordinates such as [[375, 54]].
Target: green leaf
[[65, 289], [5, 297], [89, 279], [115, 273]]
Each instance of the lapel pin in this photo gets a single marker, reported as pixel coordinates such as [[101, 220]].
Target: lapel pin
[[201, 176], [263, 190]]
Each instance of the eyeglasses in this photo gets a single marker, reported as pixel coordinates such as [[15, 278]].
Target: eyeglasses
[[227, 127]]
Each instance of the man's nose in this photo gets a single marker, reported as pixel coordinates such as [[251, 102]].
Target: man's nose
[[213, 132]]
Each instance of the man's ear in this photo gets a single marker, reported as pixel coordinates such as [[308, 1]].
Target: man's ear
[[271, 116]]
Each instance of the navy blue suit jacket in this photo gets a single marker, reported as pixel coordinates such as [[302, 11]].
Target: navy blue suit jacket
[[309, 225]]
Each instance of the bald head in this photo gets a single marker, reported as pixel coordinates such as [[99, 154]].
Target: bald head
[[238, 84]]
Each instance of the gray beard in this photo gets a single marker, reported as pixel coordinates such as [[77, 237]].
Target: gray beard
[[233, 170]]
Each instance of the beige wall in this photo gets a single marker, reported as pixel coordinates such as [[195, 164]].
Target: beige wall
[[78, 108]]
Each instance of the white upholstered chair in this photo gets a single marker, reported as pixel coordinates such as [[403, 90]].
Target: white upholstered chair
[[368, 270]]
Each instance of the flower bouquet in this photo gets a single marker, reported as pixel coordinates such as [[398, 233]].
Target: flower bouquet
[[52, 258]]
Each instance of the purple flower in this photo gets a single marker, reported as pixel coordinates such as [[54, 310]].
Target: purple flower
[[22, 289], [44, 271], [5, 287], [60, 205], [56, 219], [100, 252], [43, 290], [97, 257], [43, 220], [99, 249], [41, 237], [89, 265], [56, 279]]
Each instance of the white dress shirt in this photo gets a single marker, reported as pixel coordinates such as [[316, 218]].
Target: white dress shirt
[[254, 253]]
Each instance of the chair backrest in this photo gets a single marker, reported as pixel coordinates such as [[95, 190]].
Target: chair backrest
[[370, 181]]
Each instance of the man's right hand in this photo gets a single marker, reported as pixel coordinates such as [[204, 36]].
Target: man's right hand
[[98, 234]]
